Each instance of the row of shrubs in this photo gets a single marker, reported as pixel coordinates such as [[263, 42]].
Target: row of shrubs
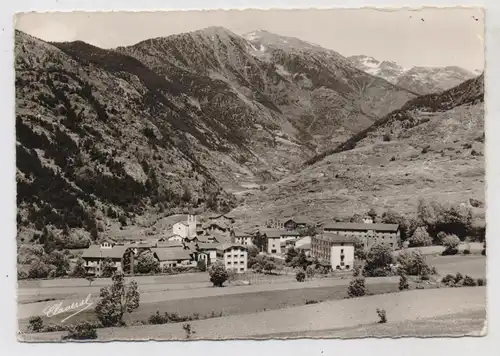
[[462, 281]]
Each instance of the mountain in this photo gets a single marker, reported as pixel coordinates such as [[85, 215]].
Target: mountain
[[112, 139], [422, 80], [431, 148]]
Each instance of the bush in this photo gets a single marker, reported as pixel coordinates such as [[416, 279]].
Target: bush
[[356, 271], [218, 274], [300, 276], [21, 275], [382, 315], [466, 252], [403, 282], [202, 265], [310, 271], [448, 279], [458, 277], [420, 238], [450, 242], [469, 281], [147, 263], [356, 288], [378, 261], [35, 324], [157, 319], [311, 302], [82, 331], [386, 137], [413, 263], [189, 331], [481, 282]]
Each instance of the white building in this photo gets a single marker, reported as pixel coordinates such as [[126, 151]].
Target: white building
[[185, 228], [233, 256], [243, 238], [342, 256]]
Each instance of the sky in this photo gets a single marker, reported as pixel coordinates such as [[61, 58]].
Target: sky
[[428, 37]]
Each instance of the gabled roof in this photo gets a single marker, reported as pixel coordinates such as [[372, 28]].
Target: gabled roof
[[169, 244], [206, 238], [275, 233], [95, 251], [171, 254], [207, 246], [361, 227], [228, 246], [242, 234], [182, 222], [296, 219]]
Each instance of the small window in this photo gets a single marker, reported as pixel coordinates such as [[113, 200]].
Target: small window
[[342, 263], [342, 244], [341, 250], [242, 269], [228, 262]]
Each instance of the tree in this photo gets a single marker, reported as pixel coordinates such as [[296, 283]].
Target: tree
[[450, 242], [310, 271], [420, 238], [60, 261], [269, 266], [116, 300], [90, 279], [291, 254], [79, 269], [108, 267], [413, 263], [35, 324], [202, 265], [359, 249], [147, 263], [356, 288], [300, 276], [356, 218], [378, 261], [300, 260], [38, 269], [403, 282], [218, 274], [372, 213]]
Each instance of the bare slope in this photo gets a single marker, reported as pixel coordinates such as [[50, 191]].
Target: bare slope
[[431, 148]]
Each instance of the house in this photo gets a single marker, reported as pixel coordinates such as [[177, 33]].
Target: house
[[292, 224], [223, 217], [95, 255], [337, 249], [207, 239], [242, 238], [273, 240], [172, 257], [171, 237], [369, 234], [210, 249], [185, 228], [234, 256], [287, 235]]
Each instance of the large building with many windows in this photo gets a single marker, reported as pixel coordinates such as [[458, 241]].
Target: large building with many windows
[[335, 249], [233, 256], [369, 233]]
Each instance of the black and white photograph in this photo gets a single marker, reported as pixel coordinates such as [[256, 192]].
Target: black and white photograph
[[250, 174]]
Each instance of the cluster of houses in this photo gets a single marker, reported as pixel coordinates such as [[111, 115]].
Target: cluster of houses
[[215, 240]]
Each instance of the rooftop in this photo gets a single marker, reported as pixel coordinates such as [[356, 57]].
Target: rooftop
[[337, 237], [361, 227], [171, 254], [275, 233], [95, 251], [228, 246]]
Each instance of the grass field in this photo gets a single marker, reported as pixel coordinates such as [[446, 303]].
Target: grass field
[[420, 311], [243, 302]]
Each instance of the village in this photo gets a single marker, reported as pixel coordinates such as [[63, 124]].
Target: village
[[191, 241]]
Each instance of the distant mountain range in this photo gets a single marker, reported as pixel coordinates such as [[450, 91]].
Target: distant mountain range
[[422, 80]]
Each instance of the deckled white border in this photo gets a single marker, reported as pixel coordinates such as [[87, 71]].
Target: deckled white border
[[445, 346]]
